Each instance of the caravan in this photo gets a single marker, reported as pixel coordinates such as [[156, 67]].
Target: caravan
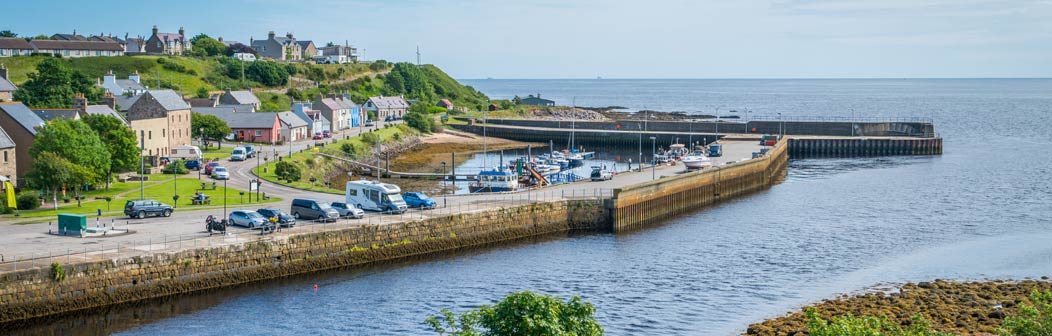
[[187, 153], [375, 196]]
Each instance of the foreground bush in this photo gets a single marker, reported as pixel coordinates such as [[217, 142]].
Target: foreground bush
[[522, 313], [1034, 319], [28, 200]]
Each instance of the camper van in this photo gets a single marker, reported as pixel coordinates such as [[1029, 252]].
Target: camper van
[[375, 196], [187, 153]]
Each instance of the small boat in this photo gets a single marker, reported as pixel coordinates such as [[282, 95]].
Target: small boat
[[576, 160], [562, 163], [495, 181], [697, 161]]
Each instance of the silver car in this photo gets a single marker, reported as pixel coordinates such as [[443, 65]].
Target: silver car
[[348, 211], [248, 218]]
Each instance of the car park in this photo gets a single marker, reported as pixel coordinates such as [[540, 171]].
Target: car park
[[143, 208], [220, 173], [284, 219], [313, 210], [348, 211], [248, 218], [192, 164], [418, 200], [211, 166]]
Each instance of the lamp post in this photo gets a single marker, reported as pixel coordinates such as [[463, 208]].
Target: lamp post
[[653, 170], [780, 125], [640, 148], [225, 214], [443, 174], [142, 165]]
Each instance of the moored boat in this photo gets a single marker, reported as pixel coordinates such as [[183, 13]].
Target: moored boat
[[495, 181]]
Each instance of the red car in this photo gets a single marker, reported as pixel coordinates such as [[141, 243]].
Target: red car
[[210, 166], [326, 134], [318, 136]]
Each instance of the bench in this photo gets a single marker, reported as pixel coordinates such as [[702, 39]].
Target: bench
[[195, 201]]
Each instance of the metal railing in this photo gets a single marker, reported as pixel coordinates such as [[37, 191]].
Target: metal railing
[[118, 249], [776, 118]]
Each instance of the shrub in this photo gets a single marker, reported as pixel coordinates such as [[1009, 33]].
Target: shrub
[[419, 121], [866, 326], [28, 200], [57, 273], [1033, 319], [287, 171], [175, 167]]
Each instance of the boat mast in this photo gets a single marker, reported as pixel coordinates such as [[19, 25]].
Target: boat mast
[[485, 140]]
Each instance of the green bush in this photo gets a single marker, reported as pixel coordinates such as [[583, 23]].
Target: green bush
[[866, 326], [57, 273], [1034, 319], [522, 313], [287, 171], [419, 121], [175, 167], [28, 200]]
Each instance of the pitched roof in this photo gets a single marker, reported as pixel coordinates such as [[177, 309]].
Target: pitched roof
[[283, 40], [69, 37], [6, 85], [445, 102], [239, 120], [169, 99], [291, 119], [14, 43], [201, 102], [76, 45], [304, 44], [244, 97], [105, 39], [52, 114], [389, 102], [169, 36], [346, 101], [332, 104], [240, 108], [23, 116], [125, 102], [104, 110], [5, 140], [128, 84]]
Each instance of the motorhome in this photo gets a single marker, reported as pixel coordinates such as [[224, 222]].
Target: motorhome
[[375, 196], [187, 153]]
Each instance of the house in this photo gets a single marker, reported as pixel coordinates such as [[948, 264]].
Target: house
[[350, 53], [242, 97], [57, 113], [134, 45], [250, 127], [13, 46], [7, 89], [445, 103], [167, 43], [293, 128], [316, 122], [114, 39], [161, 119], [80, 103], [307, 49], [8, 161], [387, 106], [21, 126], [336, 109], [537, 101], [131, 86], [69, 37], [212, 101], [278, 48], [122, 102], [77, 48], [493, 107], [357, 118]]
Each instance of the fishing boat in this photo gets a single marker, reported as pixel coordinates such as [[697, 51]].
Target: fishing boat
[[697, 161], [576, 160], [561, 162], [495, 181]]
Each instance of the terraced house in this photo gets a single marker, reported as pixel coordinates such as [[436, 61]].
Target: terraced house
[[13, 46], [77, 48], [162, 119]]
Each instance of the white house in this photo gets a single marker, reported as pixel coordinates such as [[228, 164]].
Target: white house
[[118, 87]]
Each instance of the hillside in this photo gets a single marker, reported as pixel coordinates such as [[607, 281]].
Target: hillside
[[188, 75]]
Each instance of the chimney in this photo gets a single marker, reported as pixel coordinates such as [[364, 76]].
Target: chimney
[[155, 29], [3, 71], [220, 39], [270, 35], [109, 78], [108, 100], [333, 96], [135, 77], [80, 103], [288, 35], [182, 32]]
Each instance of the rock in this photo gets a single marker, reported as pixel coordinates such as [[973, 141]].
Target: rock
[[925, 285], [997, 314]]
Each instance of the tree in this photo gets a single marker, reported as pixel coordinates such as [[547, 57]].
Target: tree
[[54, 84], [51, 171], [267, 73], [74, 142], [1034, 319], [522, 313], [210, 127], [287, 171], [202, 92], [239, 48], [7, 33], [203, 45], [419, 121], [120, 143]]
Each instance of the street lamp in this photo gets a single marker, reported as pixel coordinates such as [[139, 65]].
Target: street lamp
[[640, 147], [653, 174], [443, 174], [780, 125], [225, 214]]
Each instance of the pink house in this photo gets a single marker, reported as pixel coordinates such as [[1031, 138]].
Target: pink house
[[249, 127]]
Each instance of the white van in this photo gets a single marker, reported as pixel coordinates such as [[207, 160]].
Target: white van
[[375, 196], [187, 153], [238, 154]]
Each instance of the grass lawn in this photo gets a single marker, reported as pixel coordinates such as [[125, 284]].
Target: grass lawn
[[159, 188], [322, 164], [216, 153]]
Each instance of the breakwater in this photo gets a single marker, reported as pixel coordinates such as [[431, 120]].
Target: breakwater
[[35, 293], [914, 127], [638, 205], [802, 146]]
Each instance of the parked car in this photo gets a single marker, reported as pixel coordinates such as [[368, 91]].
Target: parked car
[[284, 219], [248, 218], [369, 123], [318, 136], [388, 119], [238, 154], [220, 173], [313, 209], [211, 166], [250, 152], [192, 164], [348, 211], [601, 174], [715, 150], [143, 208], [326, 134], [418, 200]]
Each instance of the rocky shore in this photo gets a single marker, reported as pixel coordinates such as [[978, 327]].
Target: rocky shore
[[962, 308]]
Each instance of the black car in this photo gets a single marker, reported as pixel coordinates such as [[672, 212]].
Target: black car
[[284, 219], [143, 208], [192, 164]]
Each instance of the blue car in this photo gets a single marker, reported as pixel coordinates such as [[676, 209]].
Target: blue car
[[418, 200]]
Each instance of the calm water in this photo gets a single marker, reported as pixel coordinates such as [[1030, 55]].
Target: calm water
[[981, 210]]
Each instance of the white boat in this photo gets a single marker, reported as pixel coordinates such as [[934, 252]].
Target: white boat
[[697, 161], [495, 181]]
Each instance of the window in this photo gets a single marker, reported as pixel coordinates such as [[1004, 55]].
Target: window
[[99, 53], [149, 135], [259, 133], [352, 192], [5, 156], [3, 52], [65, 53], [164, 132]]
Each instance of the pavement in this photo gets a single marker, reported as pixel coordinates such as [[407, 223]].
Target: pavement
[[30, 245]]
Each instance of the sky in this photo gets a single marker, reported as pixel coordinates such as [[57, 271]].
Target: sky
[[613, 39]]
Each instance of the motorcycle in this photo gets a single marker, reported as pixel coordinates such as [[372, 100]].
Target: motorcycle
[[215, 226]]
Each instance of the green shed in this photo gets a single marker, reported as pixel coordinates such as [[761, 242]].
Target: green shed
[[72, 223]]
